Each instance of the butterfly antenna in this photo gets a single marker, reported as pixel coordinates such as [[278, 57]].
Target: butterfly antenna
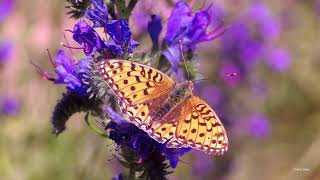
[[203, 4], [191, 4], [185, 162], [184, 60]]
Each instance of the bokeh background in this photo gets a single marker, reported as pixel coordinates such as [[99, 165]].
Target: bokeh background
[[270, 108]]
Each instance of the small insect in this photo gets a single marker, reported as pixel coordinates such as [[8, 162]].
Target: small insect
[[167, 111]]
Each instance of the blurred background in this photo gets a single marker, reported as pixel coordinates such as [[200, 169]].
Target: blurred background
[[270, 108]]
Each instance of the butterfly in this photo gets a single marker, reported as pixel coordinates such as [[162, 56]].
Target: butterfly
[[166, 110]]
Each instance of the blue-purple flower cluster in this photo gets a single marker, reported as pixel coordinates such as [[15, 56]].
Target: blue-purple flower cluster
[[120, 42]]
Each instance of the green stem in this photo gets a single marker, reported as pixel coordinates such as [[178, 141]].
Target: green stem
[[132, 174], [122, 10], [94, 129]]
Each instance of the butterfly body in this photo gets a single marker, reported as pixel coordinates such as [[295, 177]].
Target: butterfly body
[[167, 111], [180, 94]]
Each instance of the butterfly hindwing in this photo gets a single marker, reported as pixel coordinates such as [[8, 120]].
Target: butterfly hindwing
[[200, 128]]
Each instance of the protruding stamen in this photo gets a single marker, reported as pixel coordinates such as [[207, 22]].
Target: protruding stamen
[[45, 75], [67, 46], [52, 63]]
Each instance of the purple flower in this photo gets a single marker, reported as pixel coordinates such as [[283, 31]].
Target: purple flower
[[189, 29], [121, 37], [178, 22], [6, 6], [198, 30], [88, 38], [10, 106], [120, 33], [173, 154], [154, 29], [259, 126], [278, 60], [172, 53], [125, 133], [71, 73], [98, 14], [5, 52]]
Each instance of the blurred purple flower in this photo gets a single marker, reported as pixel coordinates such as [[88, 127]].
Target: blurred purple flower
[[259, 126], [87, 37], [98, 14], [211, 94], [266, 23], [246, 43], [239, 46], [126, 133], [189, 29], [6, 7], [6, 50], [140, 18], [278, 60], [154, 29], [202, 166], [259, 89], [71, 73], [10, 106]]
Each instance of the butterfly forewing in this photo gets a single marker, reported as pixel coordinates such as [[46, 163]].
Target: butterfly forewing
[[133, 82], [139, 88]]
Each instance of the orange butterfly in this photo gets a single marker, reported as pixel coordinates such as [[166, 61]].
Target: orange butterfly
[[167, 111]]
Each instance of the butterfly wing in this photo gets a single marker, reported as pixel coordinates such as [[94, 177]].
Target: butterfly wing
[[141, 90], [199, 127], [132, 82]]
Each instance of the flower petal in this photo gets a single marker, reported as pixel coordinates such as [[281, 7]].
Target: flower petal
[[98, 14]]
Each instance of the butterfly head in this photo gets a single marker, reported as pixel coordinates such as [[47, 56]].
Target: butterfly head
[[184, 90], [189, 85]]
